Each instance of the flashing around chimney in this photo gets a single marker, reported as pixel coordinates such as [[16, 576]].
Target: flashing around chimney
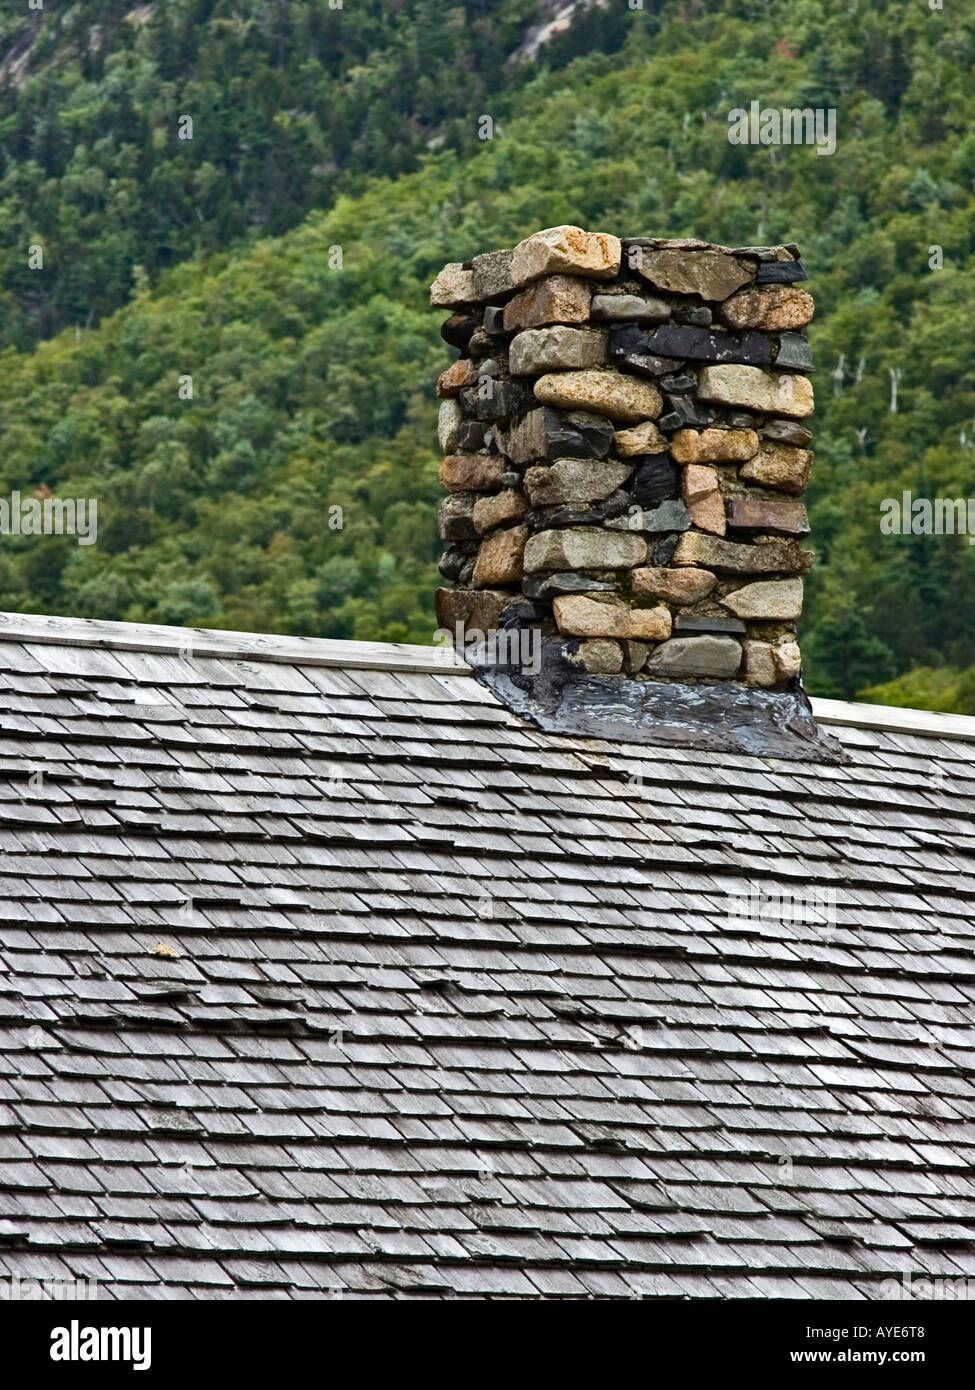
[[625, 453]]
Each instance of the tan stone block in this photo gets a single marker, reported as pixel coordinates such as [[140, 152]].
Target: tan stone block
[[714, 446], [781, 466], [754, 388], [699, 488], [599, 656], [770, 308], [684, 586], [579, 616], [759, 663], [641, 439], [458, 375], [475, 609], [616, 308], [767, 600], [556, 299], [500, 558], [607, 393], [490, 512], [712, 274], [787, 657], [453, 287], [566, 250], [472, 472]]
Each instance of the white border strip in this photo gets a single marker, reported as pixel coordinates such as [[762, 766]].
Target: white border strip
[[895, 719]]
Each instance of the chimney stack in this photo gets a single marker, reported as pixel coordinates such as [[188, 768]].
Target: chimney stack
[[625, 454]]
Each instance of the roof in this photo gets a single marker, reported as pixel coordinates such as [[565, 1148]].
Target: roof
[[322, 971]]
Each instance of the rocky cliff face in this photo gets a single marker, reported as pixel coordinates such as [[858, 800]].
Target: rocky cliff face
[[625, 453]]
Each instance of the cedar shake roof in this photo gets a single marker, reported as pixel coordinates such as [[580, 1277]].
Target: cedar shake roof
[[321, 971]]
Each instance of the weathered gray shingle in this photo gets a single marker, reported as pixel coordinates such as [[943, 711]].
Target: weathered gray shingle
[[318, 978]]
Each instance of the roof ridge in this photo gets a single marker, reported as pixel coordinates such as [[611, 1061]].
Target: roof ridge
[[388, 656], [214, 642]]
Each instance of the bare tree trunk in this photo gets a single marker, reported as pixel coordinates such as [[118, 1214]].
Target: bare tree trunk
[[838, 374], [895, 378]]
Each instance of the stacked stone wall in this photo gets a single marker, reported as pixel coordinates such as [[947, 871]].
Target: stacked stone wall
[[625, 453]]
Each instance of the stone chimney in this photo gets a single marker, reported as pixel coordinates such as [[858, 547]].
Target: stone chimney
[[625, 454]]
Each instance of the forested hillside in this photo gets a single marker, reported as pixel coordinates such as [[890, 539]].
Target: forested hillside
[[291, 102], [280, 259]]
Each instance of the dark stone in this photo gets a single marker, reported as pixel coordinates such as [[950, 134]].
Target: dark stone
[[457, 330], [646, 364], [455, 517], [787, 432], [546, 433], [654, 481], [558, 518], [683, 341], [625, 337], [454, 558], [678, 385], [467, 572], [511, 480], [687, 413], [506, 399], [469, 402], [741, 420], [494, 320], [577, 434], [616, 503], [684, 623], [567, 582], [754, 348], [510, 398], [780, 272], [523, 613], [480, 344], [470, 436], [671, 515], [628, 346], [698, 316], [758, 253], [795, 352], [634, 656], [664, 552]]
